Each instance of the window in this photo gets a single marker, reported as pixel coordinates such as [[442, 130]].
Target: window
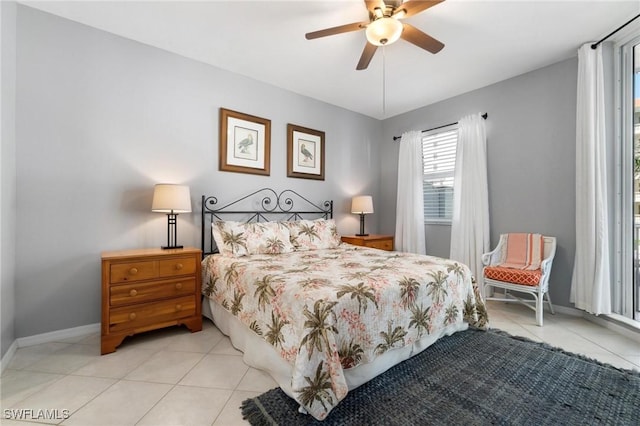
[[439, 161]]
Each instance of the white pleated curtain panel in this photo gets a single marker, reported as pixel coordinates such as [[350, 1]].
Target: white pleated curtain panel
[[591, 281], [470, 222], [409, 203]]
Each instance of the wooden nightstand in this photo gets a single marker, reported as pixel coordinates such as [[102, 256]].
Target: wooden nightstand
[[147, 289], [382, 242]]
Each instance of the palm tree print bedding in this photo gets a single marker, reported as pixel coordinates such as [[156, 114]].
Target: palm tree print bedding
[[328, 310]]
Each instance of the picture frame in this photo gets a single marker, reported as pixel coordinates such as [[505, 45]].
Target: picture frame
[[305, 152], [245, 143]]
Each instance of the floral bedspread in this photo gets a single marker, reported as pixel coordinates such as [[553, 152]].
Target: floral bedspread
[[328, 310]]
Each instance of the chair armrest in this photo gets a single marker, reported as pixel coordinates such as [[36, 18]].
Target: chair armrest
[[493, 257], [486, 258], [545, 266]]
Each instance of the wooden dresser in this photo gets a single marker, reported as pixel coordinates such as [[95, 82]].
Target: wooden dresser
[[147, 289], [382, 242]]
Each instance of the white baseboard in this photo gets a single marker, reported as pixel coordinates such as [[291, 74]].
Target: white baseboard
[[568, 311], [56, 336], [53, 336], [8, 356]]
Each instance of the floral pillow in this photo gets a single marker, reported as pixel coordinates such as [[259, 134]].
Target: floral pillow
[[230, 238], [267, 238], [241, 239], [314, 234]]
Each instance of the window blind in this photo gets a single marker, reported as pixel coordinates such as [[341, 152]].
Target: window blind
[[439, 160]]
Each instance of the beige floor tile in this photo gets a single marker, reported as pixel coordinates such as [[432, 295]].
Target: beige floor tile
[[615, 343], [124, 403], [615, 360], [513, 329], [188, 406], [256, 381], [29, 355], [217, 371], [224, 347], [10, 422], [17, 385], [586, 328], [201, 342], [155, 339], [92, 339], [634, 359], [575, 344], [231, 414], [165, 367], [67, 360], [81, 338], [117, 364], [66, 395]]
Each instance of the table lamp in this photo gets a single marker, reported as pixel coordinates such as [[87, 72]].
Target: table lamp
[[362, 204], [171, 199]]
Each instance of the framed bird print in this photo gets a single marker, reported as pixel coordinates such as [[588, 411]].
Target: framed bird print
[[245, 143], [305, 153]]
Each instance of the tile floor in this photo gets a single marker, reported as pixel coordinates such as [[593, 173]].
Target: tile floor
[[172, 377]]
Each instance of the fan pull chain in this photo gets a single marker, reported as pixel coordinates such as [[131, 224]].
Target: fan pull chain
[[384, 83]]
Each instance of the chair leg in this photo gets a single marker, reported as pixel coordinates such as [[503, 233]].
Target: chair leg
[[550, 305], [539, 308]]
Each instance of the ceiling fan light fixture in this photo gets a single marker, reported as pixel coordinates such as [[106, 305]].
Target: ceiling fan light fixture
[[384, 31]]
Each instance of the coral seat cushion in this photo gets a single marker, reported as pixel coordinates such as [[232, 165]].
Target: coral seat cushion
[[514, 276]]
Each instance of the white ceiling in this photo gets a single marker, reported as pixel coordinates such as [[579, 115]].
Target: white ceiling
[[485, 42]]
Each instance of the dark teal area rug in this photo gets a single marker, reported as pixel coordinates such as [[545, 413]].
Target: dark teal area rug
[[477, 378]]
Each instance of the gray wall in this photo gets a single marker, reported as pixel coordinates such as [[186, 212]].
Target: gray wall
[[101, 119], [7, 174], [531, 160]]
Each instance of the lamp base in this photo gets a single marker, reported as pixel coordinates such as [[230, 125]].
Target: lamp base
[[362, 235], [171, 247]]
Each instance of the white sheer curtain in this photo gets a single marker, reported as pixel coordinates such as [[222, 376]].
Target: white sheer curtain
[[591, 282], [470, 223], [410, 204]]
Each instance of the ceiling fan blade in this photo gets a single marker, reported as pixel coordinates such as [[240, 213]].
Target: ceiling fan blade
[[420, 39], [413, 7], [367, 54], [337, 30], [372, 4]]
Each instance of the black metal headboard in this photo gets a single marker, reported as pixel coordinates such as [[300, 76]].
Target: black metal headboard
[[263, 205]]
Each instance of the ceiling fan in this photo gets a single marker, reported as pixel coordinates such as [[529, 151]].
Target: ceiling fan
[[384, 27]]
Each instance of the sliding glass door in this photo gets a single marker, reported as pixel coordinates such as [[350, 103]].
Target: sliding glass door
[[626, 290], [634, 132]]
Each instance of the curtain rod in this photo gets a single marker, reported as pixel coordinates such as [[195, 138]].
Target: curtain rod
[[395, 138], [594, 45]]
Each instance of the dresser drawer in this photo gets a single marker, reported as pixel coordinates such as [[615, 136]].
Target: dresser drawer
[[144, 292], [380, 244], [177, 266], [136, 316], [133, 271]]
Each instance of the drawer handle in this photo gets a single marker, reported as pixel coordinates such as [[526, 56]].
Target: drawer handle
[[178, 307], [178, 286], [133, 271], [133, 292], [179, 266], [132, 316]]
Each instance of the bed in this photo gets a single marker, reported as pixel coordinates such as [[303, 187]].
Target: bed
[[320, 316]]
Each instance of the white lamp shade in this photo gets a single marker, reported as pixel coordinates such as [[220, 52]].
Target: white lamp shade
[[383, 31], [362, 204], [168, 198]]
